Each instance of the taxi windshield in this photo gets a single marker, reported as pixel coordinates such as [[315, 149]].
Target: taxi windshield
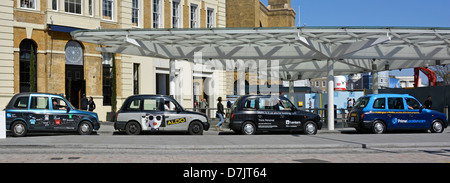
[[362, 102]]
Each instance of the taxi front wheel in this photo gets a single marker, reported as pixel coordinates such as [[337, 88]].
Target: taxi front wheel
[[196, 128], [85, 128], [310, 128]]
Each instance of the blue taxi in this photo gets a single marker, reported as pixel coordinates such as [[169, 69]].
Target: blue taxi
[[381, 112], [27, 112]]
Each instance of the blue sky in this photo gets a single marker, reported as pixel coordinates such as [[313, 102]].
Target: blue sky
[[421, 13], [414, 13]]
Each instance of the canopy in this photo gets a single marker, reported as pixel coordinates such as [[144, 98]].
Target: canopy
[[301, 53], [303, 50]]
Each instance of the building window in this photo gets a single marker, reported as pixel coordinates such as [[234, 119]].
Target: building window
[[317, 83], [157, 14], [25, 62], [107, 78], [55, 5], [194, 16], [108, 9], [28, 4], [135, 13], [136, 79], [91, 8], [210, 19], [73, 6], [176, 14], [324, 83]]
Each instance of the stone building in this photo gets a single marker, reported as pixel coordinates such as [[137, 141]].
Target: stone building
[[6, 51], [72, 68], [253, 13]]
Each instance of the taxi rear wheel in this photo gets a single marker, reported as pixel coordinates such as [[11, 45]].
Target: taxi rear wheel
[[19, 129], [437, 126], [133, 128], [378, 127], [248, 128]]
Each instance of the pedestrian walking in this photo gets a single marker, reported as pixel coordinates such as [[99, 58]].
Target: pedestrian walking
[[91, 104], [220, 113]]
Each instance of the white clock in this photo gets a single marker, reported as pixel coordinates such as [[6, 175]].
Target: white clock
[[74, 53]]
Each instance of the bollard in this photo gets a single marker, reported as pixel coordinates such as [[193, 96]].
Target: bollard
[[2, 125]]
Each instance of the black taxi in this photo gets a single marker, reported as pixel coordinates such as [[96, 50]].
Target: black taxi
[[252, 113]]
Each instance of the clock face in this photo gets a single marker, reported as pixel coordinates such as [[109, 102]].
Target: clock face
[[74, 53]]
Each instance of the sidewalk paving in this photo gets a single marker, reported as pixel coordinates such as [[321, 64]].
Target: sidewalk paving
[[108, 138]]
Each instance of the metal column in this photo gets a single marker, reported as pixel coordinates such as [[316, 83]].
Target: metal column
[[241, 77], [374, 79], [172, 78], [291, 90], [330, 65]]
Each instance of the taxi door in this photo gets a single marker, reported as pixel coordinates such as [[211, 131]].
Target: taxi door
[[39, 114], [268, 114], [416, 119], [60, 117], [154, 116], [288, 119], [174, 118], [396, 116]]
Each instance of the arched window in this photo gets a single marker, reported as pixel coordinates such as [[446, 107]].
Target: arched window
[[26, 47]]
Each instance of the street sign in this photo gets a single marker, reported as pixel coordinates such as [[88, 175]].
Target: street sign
[[2, 125]]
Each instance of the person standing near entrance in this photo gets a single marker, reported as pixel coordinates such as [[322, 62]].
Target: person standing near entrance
[[220, 113], [428, 103], [91, 104], [84, 103], [203, 105]]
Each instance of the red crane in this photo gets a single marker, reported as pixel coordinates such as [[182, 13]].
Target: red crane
[[428, 72]]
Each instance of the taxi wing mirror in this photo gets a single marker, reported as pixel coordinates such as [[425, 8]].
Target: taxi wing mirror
[[68, 109], [420, 108]]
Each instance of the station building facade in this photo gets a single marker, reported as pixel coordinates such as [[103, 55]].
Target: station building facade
[[37, 33], [253, 13]]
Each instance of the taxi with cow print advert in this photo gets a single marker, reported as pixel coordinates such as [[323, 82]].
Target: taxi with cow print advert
[[29, 112], [252, 113], [382, 112], [157, 112]]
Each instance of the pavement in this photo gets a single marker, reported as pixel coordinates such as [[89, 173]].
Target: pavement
[[339, 138], [341, 145]]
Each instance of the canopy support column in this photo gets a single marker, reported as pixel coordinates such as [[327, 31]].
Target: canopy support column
[[374, 79], [330, 109], [291, 90], [172, 77], [241, 77]]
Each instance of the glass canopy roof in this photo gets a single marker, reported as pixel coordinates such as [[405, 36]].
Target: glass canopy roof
[[301, 51]]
